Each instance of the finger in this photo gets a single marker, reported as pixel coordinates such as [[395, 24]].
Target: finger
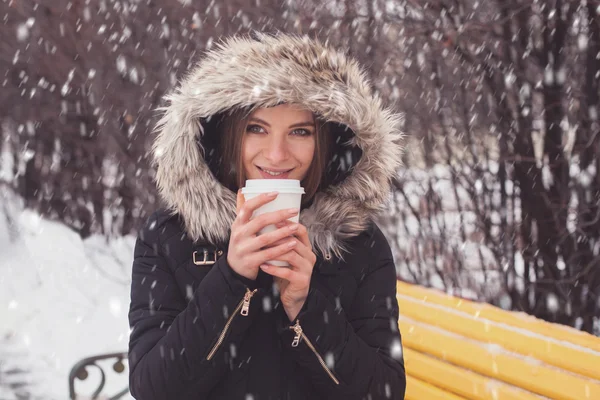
[[251, 205], [284, 223], [299, 264], [271, 253], [270, 218], [307, 255], [239, 201], [278, 242], [272, 239], [301, 232], [284, 273]]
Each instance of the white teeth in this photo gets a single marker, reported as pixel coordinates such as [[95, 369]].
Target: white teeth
[[273, 173]]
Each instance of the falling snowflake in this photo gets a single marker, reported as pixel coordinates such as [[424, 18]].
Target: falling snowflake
[[121, 65], [396, 350], [330, 360], [87, 15], [388, 390], [552, 302], [22, 33], [266, 304]]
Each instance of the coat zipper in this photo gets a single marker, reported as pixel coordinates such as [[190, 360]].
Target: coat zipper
[[299, 336], [244, 305]]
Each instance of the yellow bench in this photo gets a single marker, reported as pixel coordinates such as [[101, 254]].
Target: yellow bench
[[459, 349]]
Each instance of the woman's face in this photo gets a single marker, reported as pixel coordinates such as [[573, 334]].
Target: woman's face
[[279, 143]]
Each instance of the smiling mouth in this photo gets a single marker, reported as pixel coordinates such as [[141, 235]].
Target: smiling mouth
[[274, 173]]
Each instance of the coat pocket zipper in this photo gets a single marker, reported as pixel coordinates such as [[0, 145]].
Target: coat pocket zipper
[[301, 336], [244, 305]]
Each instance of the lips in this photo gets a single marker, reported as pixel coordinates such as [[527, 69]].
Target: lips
[[266, 175]]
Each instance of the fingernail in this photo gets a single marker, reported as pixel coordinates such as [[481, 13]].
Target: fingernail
[[293, 227], [292, 243], [272, 194], [264, 266], [293, 210]]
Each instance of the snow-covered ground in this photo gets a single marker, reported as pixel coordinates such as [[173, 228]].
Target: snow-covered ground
[[61, 299]]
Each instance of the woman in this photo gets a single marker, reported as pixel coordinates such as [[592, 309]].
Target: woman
[[210, 319]]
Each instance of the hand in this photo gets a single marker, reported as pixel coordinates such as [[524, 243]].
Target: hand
[[293, 282], [245, 253]]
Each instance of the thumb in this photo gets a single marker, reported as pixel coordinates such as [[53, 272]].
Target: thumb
[[240, 201]]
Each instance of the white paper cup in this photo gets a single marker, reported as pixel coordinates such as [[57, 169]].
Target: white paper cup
[[290, 196]]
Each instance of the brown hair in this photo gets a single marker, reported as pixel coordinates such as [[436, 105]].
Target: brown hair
[[231, 173]]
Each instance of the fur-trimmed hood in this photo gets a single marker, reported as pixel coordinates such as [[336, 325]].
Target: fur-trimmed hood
[[263, 71]]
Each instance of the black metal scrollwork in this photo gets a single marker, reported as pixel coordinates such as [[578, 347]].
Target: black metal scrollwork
[[79, 371]]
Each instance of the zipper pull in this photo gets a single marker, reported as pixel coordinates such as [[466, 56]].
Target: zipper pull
[[246, 304], [298, 329]]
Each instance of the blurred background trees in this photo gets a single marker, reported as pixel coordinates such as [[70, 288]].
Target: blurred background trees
[[499, 197]]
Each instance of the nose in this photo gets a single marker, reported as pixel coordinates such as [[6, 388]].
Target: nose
[[276, 150]]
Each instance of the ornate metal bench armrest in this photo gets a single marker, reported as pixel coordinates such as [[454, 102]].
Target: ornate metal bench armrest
[[79, 371]]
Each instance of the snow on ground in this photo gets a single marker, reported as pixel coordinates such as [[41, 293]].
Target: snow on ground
[[61, 299]]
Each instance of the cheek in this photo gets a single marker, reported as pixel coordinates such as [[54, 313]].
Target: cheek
[[309, 153], [247, 151]]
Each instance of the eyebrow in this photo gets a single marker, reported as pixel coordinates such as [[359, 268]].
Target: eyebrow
[[306, 123]]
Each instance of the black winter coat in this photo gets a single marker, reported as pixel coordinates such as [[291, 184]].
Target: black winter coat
[[192, 340]]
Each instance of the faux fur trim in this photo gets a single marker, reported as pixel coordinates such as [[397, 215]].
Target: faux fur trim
[[264, 71]]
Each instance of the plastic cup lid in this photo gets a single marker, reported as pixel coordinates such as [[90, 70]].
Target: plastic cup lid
[[273, 185]]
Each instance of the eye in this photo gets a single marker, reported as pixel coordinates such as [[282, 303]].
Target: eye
[[301, 132], [254, 128]]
